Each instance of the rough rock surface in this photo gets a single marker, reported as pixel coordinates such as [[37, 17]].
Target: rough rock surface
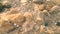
[[29, 17]]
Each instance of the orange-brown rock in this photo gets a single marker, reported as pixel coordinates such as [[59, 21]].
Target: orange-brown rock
[[42, 7], [0, 22], [42, 28], [28, 15], [57, 2], [19, 19]]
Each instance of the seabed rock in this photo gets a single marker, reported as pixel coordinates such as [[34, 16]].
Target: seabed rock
[[29, 17]]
